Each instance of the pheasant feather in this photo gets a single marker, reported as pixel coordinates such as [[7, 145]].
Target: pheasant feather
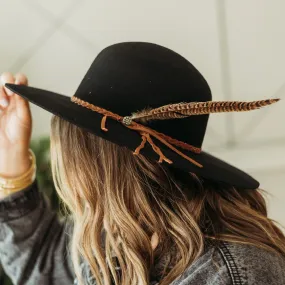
[[183, 110]]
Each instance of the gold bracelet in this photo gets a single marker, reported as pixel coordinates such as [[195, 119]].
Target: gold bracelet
[[27, 173], [10, 185]]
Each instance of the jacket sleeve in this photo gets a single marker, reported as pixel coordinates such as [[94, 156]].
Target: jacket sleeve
[[34, 240]]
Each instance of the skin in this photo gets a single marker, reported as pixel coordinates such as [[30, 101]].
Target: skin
[[15, 128]]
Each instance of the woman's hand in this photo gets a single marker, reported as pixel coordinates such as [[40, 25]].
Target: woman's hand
[[15, 128]]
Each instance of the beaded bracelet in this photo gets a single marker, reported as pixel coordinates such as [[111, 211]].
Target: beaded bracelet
[[11, 185]]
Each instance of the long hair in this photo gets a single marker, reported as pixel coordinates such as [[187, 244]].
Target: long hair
[[118, 201]]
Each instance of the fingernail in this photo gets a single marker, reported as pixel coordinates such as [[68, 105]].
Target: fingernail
[[8, 91], [4, 102]]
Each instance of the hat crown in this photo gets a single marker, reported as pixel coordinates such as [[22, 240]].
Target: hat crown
[[128, 77]]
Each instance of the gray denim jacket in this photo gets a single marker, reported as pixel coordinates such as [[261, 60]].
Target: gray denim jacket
[[34, 250]]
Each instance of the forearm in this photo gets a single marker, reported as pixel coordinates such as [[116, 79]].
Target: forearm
[[33, 240]]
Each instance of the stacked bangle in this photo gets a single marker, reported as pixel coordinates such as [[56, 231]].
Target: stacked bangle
[[11, 185]]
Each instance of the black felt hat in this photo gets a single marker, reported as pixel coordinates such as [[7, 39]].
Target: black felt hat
[[151, 100]]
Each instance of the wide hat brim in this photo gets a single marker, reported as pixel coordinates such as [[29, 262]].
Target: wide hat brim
[[61, 105]]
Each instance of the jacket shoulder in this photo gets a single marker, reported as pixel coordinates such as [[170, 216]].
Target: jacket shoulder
[[209, 268], [248, 264], [235, 264]]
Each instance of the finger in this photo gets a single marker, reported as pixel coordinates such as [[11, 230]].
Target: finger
[[1, 112], [22, 105], [4, 101], [21, 79], [2, 109], [7, 77]]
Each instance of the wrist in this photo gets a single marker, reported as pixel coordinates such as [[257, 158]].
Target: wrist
[[14, 162], [20, 179]]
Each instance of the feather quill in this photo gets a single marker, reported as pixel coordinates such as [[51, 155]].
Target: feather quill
[[183, 110]]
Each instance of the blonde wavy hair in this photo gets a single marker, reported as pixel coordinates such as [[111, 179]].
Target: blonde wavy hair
[[126, 199]]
